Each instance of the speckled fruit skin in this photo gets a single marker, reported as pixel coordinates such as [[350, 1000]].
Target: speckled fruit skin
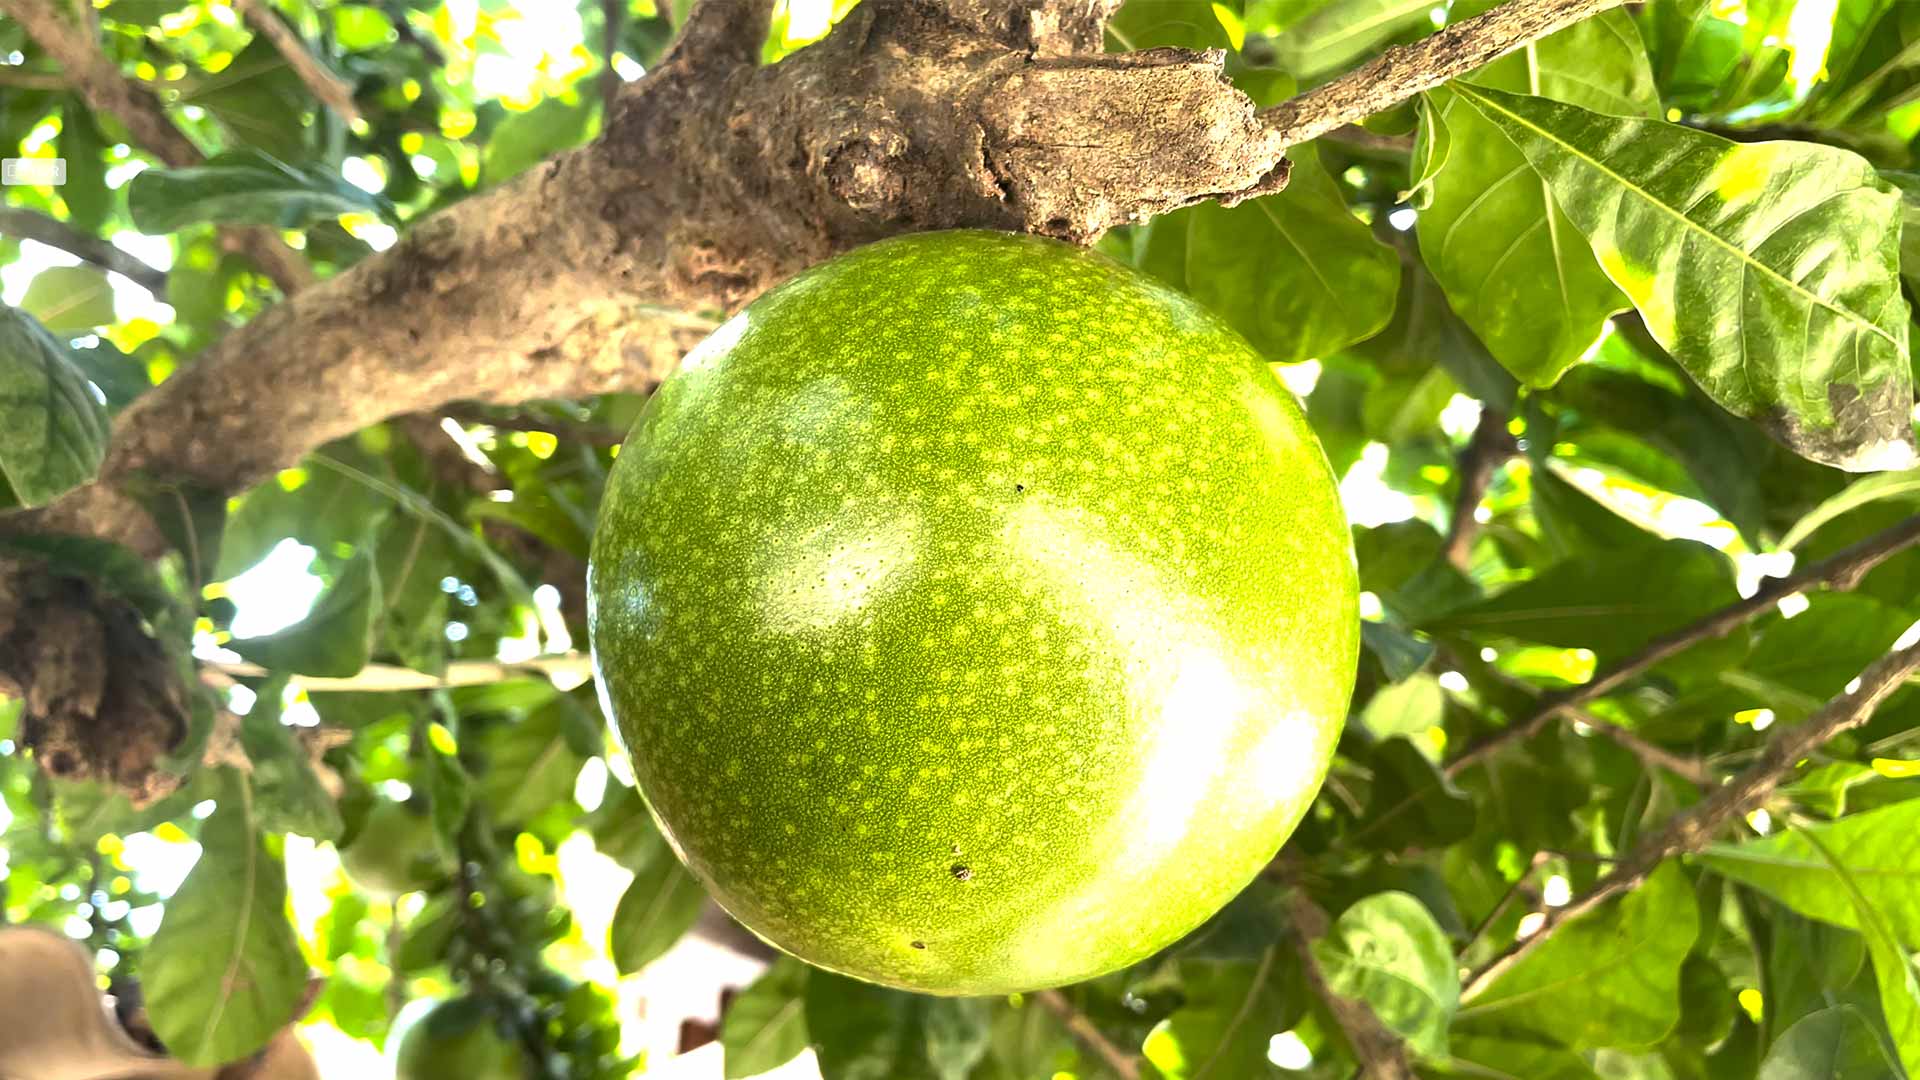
[[978, 612]]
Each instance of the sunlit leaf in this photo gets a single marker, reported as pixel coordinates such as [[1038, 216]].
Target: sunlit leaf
[[1768, 270], [245, 187], [1387, 950], [766, 1026]]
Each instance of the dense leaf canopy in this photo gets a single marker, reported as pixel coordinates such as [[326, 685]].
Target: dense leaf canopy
[[1609, 341]]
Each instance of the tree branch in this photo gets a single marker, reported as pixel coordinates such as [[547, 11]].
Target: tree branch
[[1842, 571], [55, 233], [1692, 829], [1692, 770], [1086, 1034], [1492, 444], [1406, 70], [331, 90], [566, 670], [1382, 1053], [97, 79]]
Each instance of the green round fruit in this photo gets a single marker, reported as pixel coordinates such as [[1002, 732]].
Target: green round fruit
[[396, 851], [978, 612], [459, 1040]]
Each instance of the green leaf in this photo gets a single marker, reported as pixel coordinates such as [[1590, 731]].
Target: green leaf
[[1388, 951], [1611, 603], [224, 971], [1497, 1057], [1873, 64], [1295, 272], [1832, 1044], [525, 138], [245, 187], [866, 1032], [288, 796], [658, 908], [1411, 804], [532, 764], [1512, 264], [120, 377], [86, 194], [1609, 978], [53, 432], [1400, 653], [1231, 1010], [1876, 848], [191, 517], [335, 639], [1344, 30], [1410, 707], [260, 100], [1893, 966], [1904, 486], [766, 1026], [1425, 333], [69, 299], [1156, 24], [1769, 270]]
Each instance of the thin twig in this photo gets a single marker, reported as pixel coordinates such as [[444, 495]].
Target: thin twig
[[1406, 70], [1355, 137], [1381, 1052], [28, 225], [1489, 448], [1692, 829], [565, 669], [1089, 1036], [1506, 900], [1690, 769], [330, 89], [1842, 571]]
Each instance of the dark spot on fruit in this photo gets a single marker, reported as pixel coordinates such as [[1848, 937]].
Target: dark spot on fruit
[[962, 873], [1019, 488], [918, 944]]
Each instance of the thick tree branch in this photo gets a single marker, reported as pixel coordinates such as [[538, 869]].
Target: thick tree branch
[[97, 79], [330, 89], [1382, 1053], [28, 225], [1406, 70], [1492, 444], [1694, 828], [1842, 571], [1088, 1035]]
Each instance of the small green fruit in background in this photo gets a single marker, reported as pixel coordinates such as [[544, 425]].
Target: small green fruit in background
[[461, 1039], [395, 851], [978, 612]]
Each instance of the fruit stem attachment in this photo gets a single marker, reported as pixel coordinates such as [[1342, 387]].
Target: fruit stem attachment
[[1088, 1035]]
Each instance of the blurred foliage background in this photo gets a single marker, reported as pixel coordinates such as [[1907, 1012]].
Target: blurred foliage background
[[1425, 284]]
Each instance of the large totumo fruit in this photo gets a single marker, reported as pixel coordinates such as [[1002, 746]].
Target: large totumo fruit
[[978, 612]]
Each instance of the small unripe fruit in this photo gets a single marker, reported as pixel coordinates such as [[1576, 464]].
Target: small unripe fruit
[[979, 613]]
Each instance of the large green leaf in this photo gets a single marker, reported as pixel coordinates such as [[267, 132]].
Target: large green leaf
[[1154, 24], [1343, 30], [1893, 966], [1387, 951], [224, 971], [1231, 1010], [1610, 978], [1873, 64], [335, 639], [1295, 272], [53, 432], [1512, 264], [69, 299], [1768, 270], [1611, 603], [866, 1032], [766, 1026], [1877, 848], [532, 764], [658, 908], [1832, 1044], [1901, 486], [1411, 804], [1498, 1057], [260, 99], [288, 795], [245, 187]]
